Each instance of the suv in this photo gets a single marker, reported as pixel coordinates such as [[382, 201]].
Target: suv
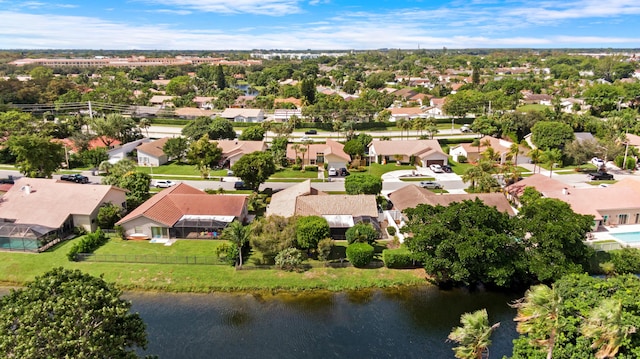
[[311, 132], [436, 168], [465, 128], [430, 185], [164, 184], [77, 178], [447, 168], [343, 172], [600, 176], [240, 185], [332, 172]]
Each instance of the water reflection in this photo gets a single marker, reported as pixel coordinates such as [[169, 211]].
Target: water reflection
[[409, 323]]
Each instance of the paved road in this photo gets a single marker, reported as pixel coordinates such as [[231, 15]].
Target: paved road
[[169, 131]]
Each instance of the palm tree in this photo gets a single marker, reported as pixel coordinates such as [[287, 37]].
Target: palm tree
[[296, 148], [604, 325], [405, 125], [238, 235], [303, 150], [538, 316], [473, 336], [551, 157], [145, 123], [514, 150], [535, 155], [401, 125], [419, 124]]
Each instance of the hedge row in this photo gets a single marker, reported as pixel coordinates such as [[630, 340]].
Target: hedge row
[[397, 258], [88, 244], [359, 254]]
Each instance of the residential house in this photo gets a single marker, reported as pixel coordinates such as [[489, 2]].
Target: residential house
[[406, 113], [183, 211], [233, 150], [533, 98], [243, 114], [204, 102], [152, 153], [502, 149], [54, 208], [161, 101], [416, 152], [405, 93], [411, 196], [332, 153], [192, 112], [292, 100], [283, 115], [616, 204], [341, 211]]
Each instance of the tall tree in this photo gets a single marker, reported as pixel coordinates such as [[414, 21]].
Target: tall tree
[[538, 316], [239, 235], [605, 326], [69, 314], [204, 154], [552, 157], [176, 148], [308, 91], [473, 336], [551, 134], [254, 168], [36, 156], [221, 81]]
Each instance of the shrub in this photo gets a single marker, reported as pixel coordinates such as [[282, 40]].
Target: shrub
[[296, 167], [360, 254], [397, 258], [630, 164], [626, 260], [120, 231], [227, 253], [324, 249], [310, 230], [88, 244], [311, 168], [289, 259], [462, 159], [391, 231], [362, 233]]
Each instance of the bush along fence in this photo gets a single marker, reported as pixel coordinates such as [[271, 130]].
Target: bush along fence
[[149, 259], [88, 244]]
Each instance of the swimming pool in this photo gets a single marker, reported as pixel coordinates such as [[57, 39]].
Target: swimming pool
[[628, 237]]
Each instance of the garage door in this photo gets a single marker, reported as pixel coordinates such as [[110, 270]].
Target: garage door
[[435, 162]]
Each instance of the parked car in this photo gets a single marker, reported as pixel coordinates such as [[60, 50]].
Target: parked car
[[164, 184], [240, 185], [465, 128], [6, 181], [597, 162], [430, 185], [77, 178], [332, 172], [343, 172], [600, 176], [436, 168], [447, 168], [305, 138], [229, 173], [310, 132]]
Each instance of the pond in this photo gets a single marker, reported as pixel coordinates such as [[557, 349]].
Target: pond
[[407, 323]]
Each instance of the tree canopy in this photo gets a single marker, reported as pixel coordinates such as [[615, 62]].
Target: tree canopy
[[363, 184], [36, 156], [551, 134], [254, 168], [69, 314]]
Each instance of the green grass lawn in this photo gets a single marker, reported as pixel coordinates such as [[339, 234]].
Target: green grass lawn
[[459, 168], [531, 107], [289, 173], [178, 169], [378, 170], [17, 268]]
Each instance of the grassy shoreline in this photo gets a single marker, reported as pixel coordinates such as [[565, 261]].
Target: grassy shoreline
[[18, 268]]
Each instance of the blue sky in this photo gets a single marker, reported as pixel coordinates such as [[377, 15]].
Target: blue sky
[[317, 24]]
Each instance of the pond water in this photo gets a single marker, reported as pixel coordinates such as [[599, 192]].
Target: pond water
[[398, 323]]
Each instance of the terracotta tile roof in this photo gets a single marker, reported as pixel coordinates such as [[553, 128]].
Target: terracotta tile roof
[[297, 102], [50, 202], [168, 206], [542, 184], [193, 112], [358, 205], [283, 203], [234, 147], [419, 148], [410, 196], [330, 147], [406, 111], [153, 148], [634, 140]]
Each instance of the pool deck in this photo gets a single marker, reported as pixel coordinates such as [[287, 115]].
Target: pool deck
[[609, 231]]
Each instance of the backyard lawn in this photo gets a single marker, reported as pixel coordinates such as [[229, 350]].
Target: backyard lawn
[[17, 268], [289, 173]]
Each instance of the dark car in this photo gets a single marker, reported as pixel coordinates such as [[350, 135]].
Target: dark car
[[77, 178], [311, 132], [240, 185], [6, 181], [343, 172], [447, 168], [600, 176]]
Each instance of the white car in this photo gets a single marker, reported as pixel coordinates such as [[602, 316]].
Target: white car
[[333, 172], [164, 184], [597, 162], [436, 168]]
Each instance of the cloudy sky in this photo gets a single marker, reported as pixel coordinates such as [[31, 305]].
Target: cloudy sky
[[317, 24]]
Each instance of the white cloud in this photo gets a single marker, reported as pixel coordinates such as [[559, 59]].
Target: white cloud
[[262, 7], [172, 12]]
